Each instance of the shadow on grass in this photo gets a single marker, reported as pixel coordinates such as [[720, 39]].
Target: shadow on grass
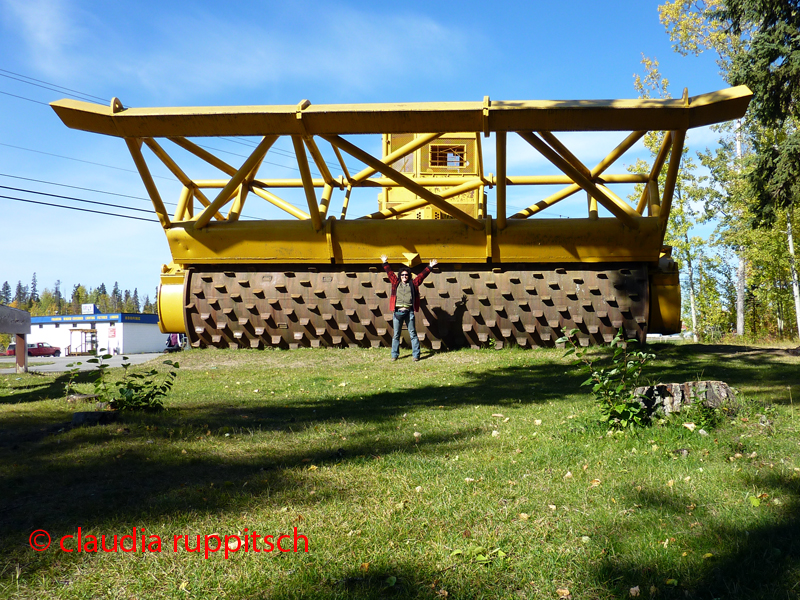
[[42, 387], [764, 563], [57, 491]]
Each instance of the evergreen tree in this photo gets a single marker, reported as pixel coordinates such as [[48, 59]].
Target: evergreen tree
[[135, 300], [34, 295], [58, 298], [770, 66], [116, 298], [21, 295], [5, 293]]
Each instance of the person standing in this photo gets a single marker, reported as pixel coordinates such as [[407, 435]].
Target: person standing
[[403, 303]]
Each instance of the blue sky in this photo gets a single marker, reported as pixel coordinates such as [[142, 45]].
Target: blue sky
[[248, 53]]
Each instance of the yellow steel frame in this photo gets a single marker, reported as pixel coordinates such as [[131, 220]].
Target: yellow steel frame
[[208, 235]]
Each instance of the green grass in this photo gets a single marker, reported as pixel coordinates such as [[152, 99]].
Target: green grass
[[324, 440]]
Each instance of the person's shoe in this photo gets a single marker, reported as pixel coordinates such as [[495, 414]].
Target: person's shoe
[[394, 358], [415, 359]]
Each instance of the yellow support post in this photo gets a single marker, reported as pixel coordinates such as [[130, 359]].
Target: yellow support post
[[183, 203], [592, 207], [325, 201], [305, 175], [619, 209], [203, 155], [672, 177], [654, 206], [319, 160], [280, 203], [134, 146], [346, 200], [655, 170], [500, 140], [236, 180]]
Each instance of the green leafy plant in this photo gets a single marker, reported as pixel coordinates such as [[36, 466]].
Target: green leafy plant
[[481, 555], [143, 391], [135, 391], [614, 387], [101, 387], [69, 385]]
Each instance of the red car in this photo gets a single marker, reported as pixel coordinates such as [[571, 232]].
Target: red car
[[43, 349], [38, 349]]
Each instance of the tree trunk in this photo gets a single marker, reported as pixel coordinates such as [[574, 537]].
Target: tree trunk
[[692, 303], [740, 270], [795, 285], [740, 285]]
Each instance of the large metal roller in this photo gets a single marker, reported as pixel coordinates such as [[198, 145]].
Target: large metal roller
[[313, 279]]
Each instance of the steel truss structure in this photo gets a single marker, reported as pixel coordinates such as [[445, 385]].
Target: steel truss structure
[[254, 283]]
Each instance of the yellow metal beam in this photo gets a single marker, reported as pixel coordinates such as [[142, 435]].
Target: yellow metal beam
[[236, 180], [655, 171], [406, 182], [319, 161], [359, 241], [424, 117], [612, 157], [619, 209], [308, 186], [135, 148], [280, 203], [404, 150], [547, 202], [415, 204], [672, 176], [500, 141], [565, 153], [185, 198], [204, 155]]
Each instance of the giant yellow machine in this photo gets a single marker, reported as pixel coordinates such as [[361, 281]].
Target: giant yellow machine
[[313, 278]]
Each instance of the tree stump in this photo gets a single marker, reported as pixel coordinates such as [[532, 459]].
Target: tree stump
[[670, 397]]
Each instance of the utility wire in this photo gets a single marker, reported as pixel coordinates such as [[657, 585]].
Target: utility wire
[[5, 187], [48, 86], [88, 162], [24, 98], [78, 209], [74, 187], [82, 96]]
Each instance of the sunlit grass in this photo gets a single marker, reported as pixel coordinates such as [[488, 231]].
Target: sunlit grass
[[469, 474]]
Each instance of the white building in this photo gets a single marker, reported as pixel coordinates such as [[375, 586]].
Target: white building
[[118, 333]]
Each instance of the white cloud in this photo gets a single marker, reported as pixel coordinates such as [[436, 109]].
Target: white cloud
[[341, 48], [49, 31]]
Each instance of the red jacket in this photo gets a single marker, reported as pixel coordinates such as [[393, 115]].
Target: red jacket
[[414, 286]]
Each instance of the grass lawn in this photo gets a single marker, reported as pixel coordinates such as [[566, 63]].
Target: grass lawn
[[471, 474]]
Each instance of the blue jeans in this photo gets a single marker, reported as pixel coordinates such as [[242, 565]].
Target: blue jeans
[[397, 322]]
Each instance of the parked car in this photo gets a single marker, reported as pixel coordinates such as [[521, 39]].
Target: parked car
[[43, 349], [11, 350]]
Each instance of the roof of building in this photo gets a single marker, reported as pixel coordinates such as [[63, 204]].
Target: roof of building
[[102, 318]]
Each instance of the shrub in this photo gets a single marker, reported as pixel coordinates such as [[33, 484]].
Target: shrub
[[614, 387]]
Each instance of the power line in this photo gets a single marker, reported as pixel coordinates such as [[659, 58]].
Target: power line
[[24, 98], [88, 162], [75, 187], [87, 210], [49, 86], [78, 94], [5, 187]]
